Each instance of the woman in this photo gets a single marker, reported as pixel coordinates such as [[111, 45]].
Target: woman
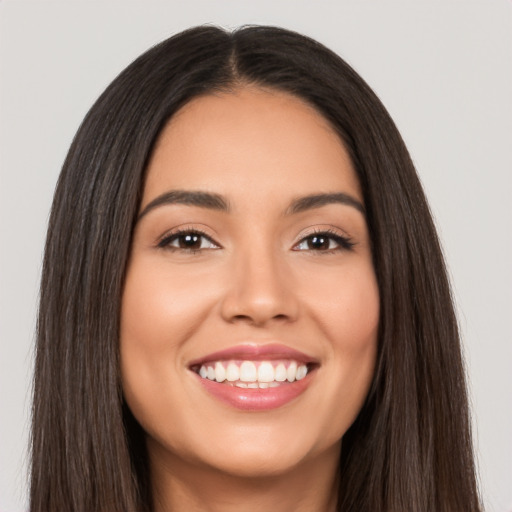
[[244, 303]]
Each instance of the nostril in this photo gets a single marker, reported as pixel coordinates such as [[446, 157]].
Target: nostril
[[259, 319]]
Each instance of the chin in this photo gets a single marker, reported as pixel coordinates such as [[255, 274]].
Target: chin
[[260, 454]]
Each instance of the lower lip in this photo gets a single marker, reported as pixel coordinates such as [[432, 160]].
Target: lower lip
[[249, 399]]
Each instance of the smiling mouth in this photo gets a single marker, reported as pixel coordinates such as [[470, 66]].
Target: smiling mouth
[[254, 374], [253, 377]]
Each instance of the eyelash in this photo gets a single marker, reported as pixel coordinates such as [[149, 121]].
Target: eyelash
[[343, 243], [166, 242]]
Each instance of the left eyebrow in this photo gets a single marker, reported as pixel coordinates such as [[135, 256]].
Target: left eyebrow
[[313, 201]]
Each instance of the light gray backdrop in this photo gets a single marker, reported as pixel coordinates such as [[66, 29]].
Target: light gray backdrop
[[442, 68]]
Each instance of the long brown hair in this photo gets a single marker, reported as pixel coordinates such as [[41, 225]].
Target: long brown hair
[[410, 447]]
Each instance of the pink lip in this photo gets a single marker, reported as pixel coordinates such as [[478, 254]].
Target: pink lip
[[248, 399], [255, 352], [256, 399]]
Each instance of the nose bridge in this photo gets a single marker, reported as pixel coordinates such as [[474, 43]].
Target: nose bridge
[[260, 289]]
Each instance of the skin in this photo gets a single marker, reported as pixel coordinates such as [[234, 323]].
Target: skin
[[257, 281]]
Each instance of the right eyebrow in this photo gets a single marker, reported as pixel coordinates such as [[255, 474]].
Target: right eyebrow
[[188, 197]]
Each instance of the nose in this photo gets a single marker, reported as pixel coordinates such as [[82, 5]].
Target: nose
[[260, 290]]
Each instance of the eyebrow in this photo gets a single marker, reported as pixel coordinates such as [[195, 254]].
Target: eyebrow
[[217, 202], [313, 201], [188, 197]]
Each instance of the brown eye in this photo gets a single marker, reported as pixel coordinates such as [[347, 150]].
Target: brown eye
[[324, 242], [188, 241], [318, 243]]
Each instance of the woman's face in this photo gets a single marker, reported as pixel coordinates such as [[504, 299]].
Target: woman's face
[[250, 266]]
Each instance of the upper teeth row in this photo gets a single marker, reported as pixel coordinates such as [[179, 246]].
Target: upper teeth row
[[247, 371]]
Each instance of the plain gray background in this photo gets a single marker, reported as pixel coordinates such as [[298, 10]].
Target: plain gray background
[[442, 68]]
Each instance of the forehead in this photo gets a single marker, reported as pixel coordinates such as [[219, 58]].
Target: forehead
[[248, 140]]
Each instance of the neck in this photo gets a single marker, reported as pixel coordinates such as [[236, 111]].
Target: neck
[[184, 486]]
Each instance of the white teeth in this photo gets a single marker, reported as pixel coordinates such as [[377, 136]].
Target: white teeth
[[248, 372], [280, 374], [253, 374], [232, 372], [220, 372], [291, 372], [301, 372], [265, 372]]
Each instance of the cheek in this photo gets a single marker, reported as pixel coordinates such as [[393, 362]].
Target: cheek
[[161, 308], [346, 309], [346, 306], [351, 323], [159, 313]]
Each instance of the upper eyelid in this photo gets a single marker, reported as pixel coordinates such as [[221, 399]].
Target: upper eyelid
[[344, 239], [188, 228], [176, 232], [326, 230]]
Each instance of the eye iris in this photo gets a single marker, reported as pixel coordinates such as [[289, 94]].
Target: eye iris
[[190, 241], [318, 242]]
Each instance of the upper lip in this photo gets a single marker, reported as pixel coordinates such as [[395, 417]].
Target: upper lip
[[256, 352]]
